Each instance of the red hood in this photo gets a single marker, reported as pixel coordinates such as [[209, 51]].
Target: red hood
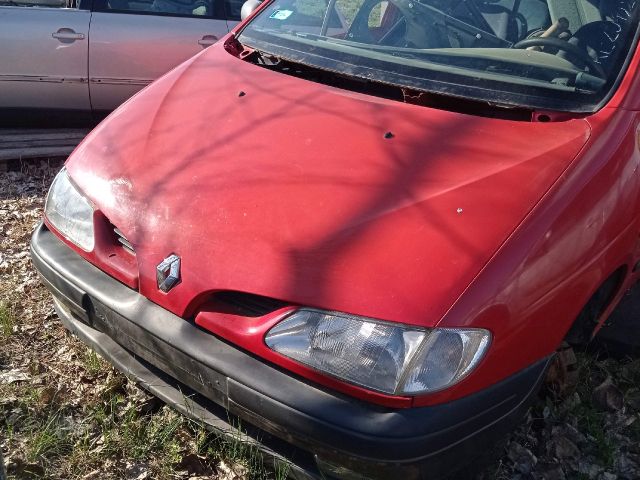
[[292, 190]]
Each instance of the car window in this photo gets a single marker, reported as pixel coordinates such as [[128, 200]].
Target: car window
[[232, 8], [535, 54], [308, 16], [348, 9], [189, 8], [40, 3]]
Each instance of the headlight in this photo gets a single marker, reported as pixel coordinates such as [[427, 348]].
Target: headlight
[[70, 212], [390, 358]]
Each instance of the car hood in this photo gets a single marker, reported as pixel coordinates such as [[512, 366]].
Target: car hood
[[274, 185]]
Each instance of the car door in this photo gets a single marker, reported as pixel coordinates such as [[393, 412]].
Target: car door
[[133, 42], [43, 55]]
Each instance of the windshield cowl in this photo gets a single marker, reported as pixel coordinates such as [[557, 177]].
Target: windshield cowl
[[456, 48]]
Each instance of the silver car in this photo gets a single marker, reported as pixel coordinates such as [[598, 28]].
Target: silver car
[[91, 55]]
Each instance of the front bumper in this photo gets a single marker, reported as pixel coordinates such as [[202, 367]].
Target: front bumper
[[222, 386]]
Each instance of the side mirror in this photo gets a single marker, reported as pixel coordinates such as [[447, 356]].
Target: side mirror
[[248, 8]]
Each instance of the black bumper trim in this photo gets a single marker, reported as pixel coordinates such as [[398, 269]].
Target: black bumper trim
[[369, 438], [190, 403]]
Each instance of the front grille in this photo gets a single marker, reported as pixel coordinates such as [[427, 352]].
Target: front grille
[[247, 304], [122, 240]]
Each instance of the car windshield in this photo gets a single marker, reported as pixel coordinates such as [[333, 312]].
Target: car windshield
[[547, 54]]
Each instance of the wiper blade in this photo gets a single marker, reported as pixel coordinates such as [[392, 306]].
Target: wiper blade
[[247, 52], [312, 36], [590, 83]]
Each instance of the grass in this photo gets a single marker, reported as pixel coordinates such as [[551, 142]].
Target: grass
[[7, 320], [43, 430], [243, 457], [111, 429], [114, 428], [47, 438], [281, 470], [93, 363], [142, 435], [591, 420]]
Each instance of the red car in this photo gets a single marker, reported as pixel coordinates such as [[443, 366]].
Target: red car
[[361, 228]]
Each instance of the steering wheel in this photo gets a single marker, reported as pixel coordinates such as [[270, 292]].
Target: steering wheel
[[564, 46]]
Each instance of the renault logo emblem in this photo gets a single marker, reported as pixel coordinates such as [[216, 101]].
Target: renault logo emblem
[[168, 273]]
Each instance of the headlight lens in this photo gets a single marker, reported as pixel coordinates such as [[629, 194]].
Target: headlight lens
[[446, 357], [394, 359], [70, 212]]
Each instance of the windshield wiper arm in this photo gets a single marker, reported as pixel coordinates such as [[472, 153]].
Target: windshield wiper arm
[[591, 83], [247, 52]]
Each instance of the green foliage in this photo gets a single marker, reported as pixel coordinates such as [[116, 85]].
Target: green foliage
[[7, 320], [93, 363], [48, 437]]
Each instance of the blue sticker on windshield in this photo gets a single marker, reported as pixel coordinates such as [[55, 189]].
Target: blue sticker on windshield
[[281, 14]]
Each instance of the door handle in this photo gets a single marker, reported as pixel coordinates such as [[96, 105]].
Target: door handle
[[207, 40], [67, 34]]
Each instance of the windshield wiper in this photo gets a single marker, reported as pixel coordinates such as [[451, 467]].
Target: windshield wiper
[[247, 52], [399, 93], [585, 82]]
